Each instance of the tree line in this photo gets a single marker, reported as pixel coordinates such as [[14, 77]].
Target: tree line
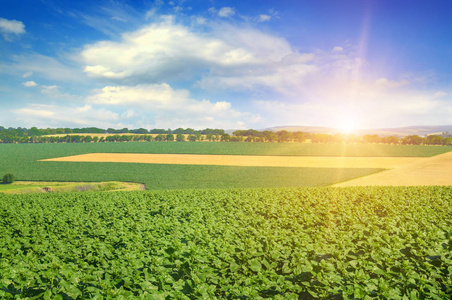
[[282, 136], [82, 135], [34, 131]]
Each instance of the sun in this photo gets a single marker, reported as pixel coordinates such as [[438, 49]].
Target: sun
[[347, 126]]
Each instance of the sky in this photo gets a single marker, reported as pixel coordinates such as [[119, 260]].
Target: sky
[[225, 64]]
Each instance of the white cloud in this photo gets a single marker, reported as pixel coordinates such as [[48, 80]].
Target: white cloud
[[337, 49], [150, 13], [63, 116], [228, 57], [385, 83], [26, 75], [440, 94], [365, 104], [40, 65], [119, 19], [128, 114], [8, 27], [156, 95], [164, 50], [169, 107], [29, 84], [226, 12], [201, 21], [264, 18], [53, 91]]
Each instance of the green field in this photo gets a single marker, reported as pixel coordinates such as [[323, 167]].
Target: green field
[[22, 161], [299, 149], [307, 243]]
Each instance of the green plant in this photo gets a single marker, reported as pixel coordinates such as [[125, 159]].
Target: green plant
[[8, 178], [305, 243]]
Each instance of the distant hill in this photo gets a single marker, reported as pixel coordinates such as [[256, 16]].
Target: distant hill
[[400, 131]]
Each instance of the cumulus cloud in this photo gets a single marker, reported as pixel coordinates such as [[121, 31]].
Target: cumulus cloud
[[226, 12], [162, 51], [170, 107], [62, 116], [337, 49], [8, 27], [226, 57], [29, 84]]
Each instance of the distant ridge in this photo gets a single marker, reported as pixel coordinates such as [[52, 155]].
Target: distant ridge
[[399, 131]]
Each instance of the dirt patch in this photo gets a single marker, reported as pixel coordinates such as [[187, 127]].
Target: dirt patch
[[245, 160], [435, 170]]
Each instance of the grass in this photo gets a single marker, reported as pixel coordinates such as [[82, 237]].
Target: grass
[[26, 187], [22, 161]]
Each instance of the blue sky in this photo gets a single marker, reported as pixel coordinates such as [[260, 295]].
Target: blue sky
[[225, 64]]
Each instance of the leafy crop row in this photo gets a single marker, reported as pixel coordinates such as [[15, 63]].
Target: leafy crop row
[[327, 243]]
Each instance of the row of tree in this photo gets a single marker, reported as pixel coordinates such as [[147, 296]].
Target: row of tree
[[82, 135], [284, 136], [88, 138], [19, 131]]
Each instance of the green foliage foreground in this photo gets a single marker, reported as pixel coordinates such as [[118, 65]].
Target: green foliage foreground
[[327, 243]]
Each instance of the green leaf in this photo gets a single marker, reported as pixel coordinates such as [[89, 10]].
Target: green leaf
[[255, 265]]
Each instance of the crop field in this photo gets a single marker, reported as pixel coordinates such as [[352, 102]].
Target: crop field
[[207, 240], [435, 170], [23, 160], [306, 243], [245, 160]]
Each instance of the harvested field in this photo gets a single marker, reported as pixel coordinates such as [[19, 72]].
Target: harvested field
[[435, 170], [246, 160]]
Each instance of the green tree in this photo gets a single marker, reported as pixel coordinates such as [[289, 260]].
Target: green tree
[[170, 137], [412, 140], [434, 140], [160, 138], [180, 137], [390, 139], [225, 137], [8, 178], [371, 138], [284, 136]]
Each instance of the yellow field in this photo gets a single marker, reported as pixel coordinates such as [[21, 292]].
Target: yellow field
[[406, 171], [246, 160], [436, 170]]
